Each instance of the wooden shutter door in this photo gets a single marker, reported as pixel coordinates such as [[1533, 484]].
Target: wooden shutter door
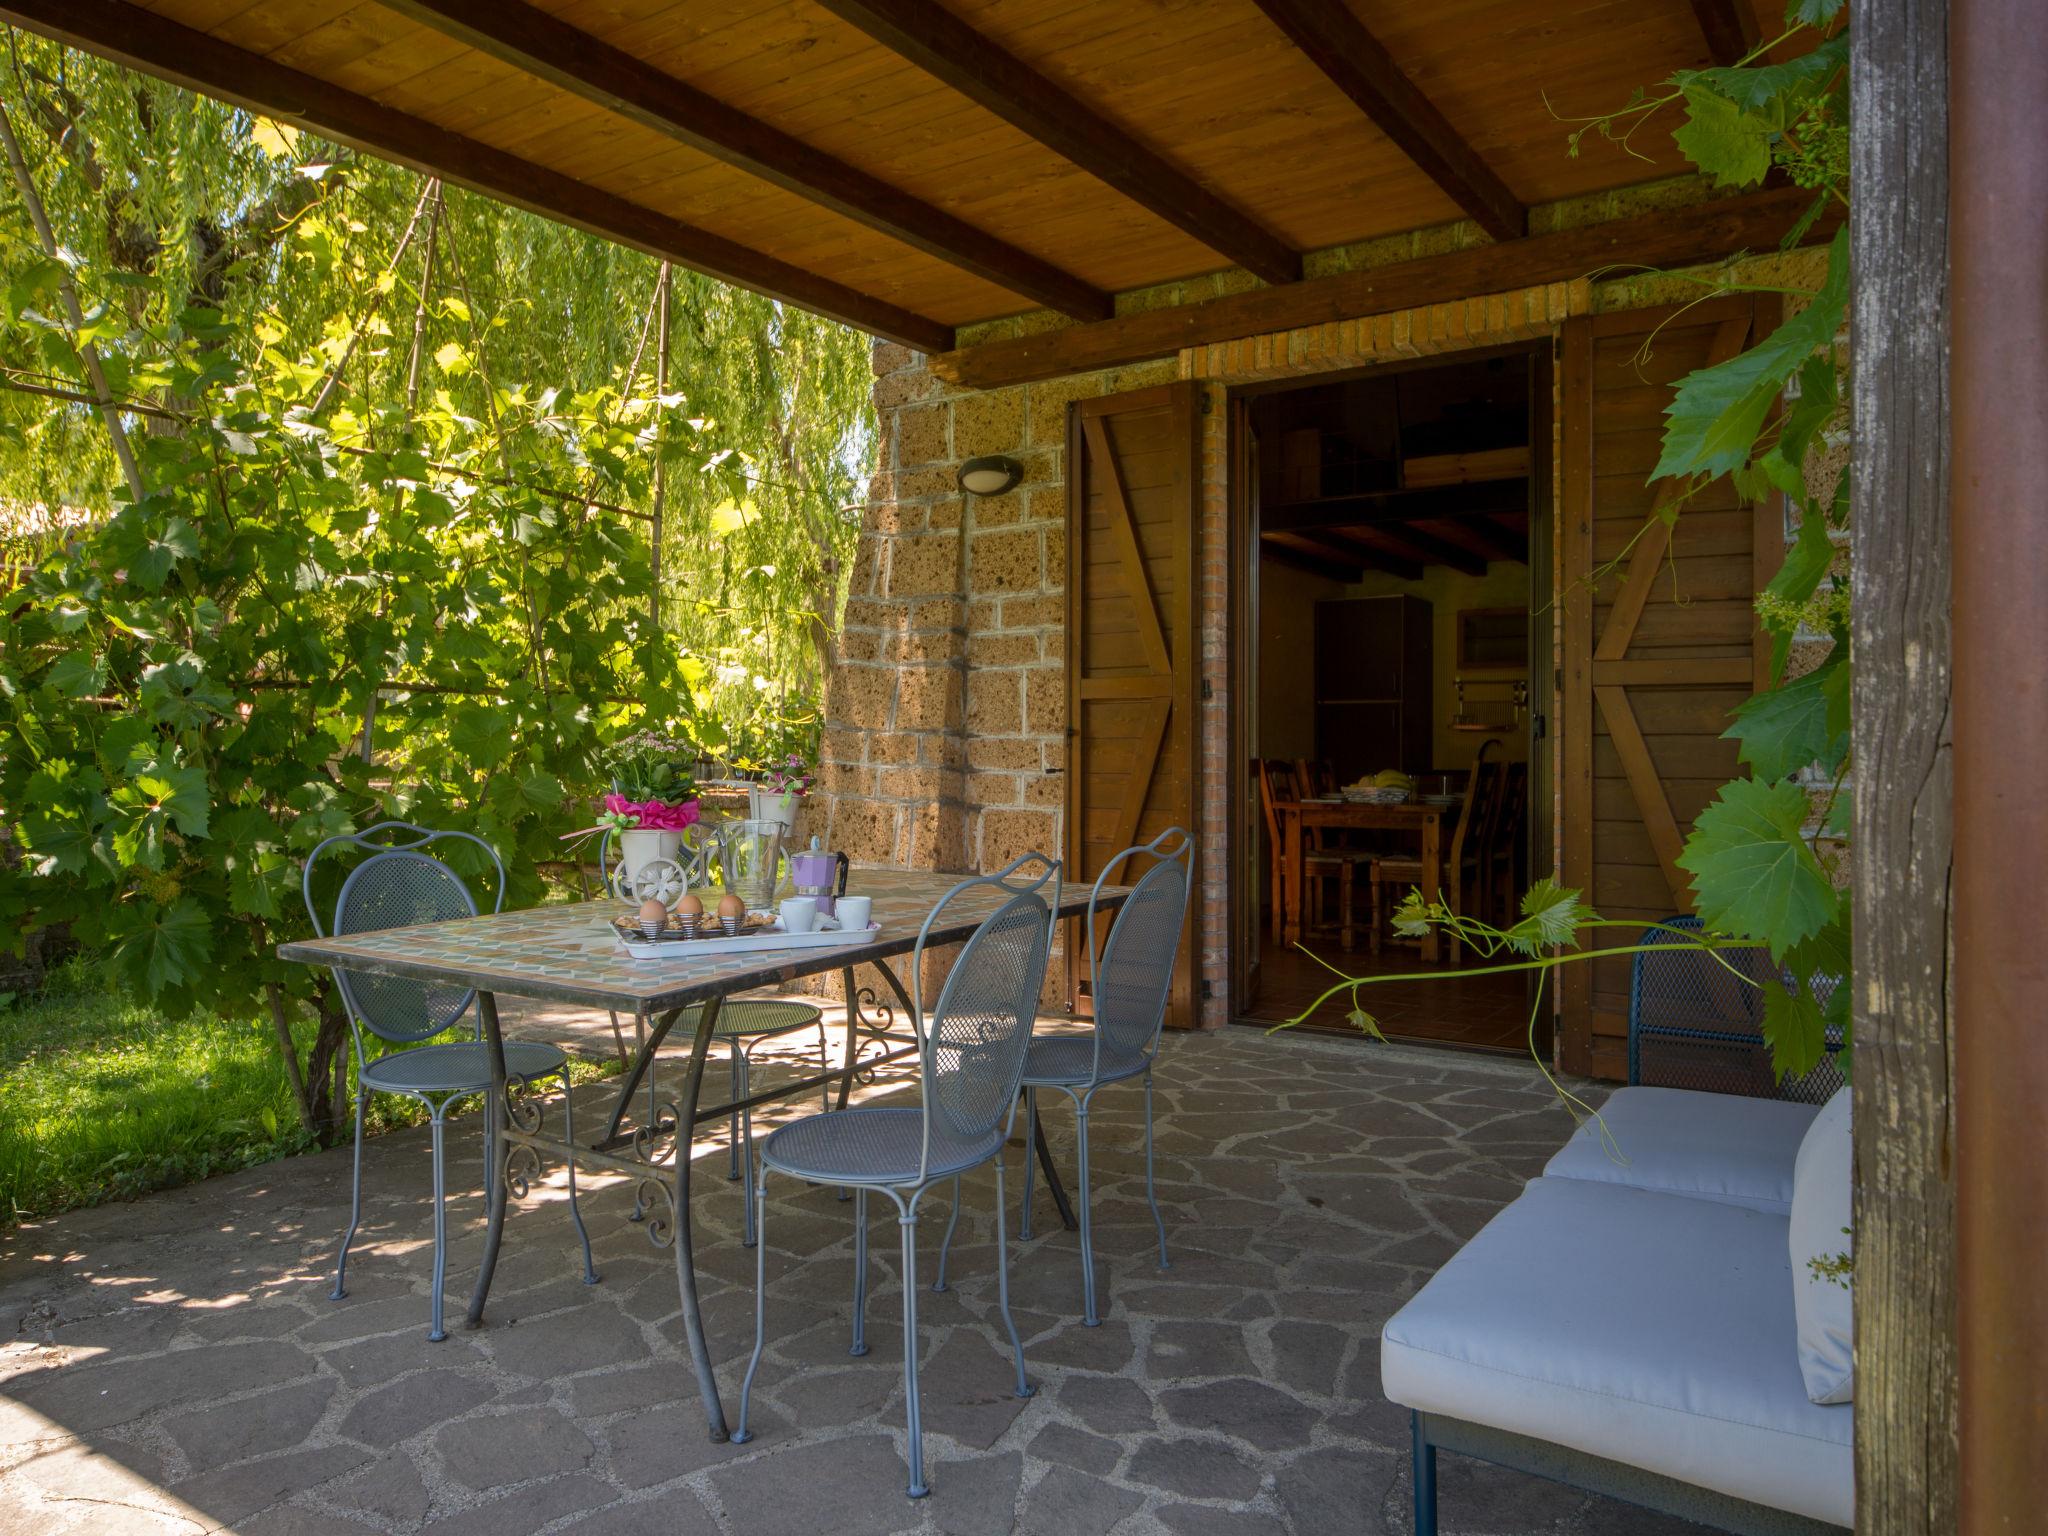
[[1658, 649], [1133, 641]]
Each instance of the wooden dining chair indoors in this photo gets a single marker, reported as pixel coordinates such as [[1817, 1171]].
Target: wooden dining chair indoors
[[1319, 864], [1504, 830], [1460, 858]]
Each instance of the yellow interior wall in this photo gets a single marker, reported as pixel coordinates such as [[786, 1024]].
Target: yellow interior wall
[[1286, 714], [1505, 585]]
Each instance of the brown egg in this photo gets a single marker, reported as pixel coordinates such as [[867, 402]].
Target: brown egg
[[690, 906], [653, 912], [730, 905]]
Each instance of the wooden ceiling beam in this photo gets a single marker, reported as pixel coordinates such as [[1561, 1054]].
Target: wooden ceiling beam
[[1327, 546], [1373, 558], [945, 47], [1729, 26], [1315, 559], [1445, 503], [538, 44], [1338, 44], [1433, 550], [143, 41], [1675, 237], [1507, 543]]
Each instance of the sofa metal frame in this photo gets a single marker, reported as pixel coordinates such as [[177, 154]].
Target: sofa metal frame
[[1435, 1432]]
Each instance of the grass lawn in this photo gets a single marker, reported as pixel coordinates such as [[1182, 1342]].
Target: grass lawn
[[100, 1099]]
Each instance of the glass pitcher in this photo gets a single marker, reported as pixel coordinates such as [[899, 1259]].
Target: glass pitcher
[[750, 860]]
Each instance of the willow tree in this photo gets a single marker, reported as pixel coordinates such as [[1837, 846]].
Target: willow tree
[[171, 199], [375, 469]]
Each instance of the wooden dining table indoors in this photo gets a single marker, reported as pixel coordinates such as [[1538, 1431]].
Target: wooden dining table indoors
[[1298, 818]]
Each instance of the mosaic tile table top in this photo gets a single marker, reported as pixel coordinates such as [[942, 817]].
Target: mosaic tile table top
[[569, 953]]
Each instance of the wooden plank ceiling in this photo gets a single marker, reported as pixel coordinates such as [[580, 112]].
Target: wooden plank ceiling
[[913, 168]]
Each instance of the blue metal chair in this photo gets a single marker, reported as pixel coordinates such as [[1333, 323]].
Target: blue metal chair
[[1692, 1023], [971, 1061], [1132, 977], [396, 886]]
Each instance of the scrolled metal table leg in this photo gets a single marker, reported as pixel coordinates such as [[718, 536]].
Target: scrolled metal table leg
[[686, 1268], [494, 1151]]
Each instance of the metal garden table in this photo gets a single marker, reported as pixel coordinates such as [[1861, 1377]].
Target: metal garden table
[[569, 954]]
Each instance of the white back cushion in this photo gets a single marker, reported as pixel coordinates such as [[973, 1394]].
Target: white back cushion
[[1820, 1231]]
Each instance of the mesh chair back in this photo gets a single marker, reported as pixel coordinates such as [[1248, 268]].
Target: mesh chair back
[[981, 1027], [398, 887], [977, 1033], [1693, 1024], [1133, 972]]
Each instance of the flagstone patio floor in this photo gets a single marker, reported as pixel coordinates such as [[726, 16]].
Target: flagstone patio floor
[[174, 1366]]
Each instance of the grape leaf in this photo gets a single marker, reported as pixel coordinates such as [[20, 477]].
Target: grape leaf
[[1807, 563], [1727, 143], [1784, 729], [1550, 916], [542, 788], [163, 946], [1713, 420], [1794, 1030], [1812, 13], [1753, 873], [1774, 90], [76, 674]]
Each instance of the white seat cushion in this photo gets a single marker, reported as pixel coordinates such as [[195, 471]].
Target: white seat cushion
[[1712, 1146], [1650, 1329], [1820, 1222]]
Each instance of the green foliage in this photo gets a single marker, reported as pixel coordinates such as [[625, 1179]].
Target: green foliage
[[1714, 420], [648, 766], [104, 1098], [1787, 728], [391, 553], [1758, 417], [1754, 873]]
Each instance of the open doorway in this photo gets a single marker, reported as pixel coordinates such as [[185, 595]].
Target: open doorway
[[1394, 670]]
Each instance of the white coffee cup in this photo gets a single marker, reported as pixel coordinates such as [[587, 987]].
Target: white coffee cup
[[799, 914], [852, 912]]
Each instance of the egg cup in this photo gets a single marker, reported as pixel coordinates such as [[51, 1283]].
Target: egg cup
[[651, 928], [732, 925], [686, 924]]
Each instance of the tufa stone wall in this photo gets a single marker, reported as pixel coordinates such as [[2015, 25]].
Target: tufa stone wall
[[945, 738], [945, 742]]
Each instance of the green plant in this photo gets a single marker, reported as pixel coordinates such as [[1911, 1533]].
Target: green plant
[[650, 766], [370, 474], [1758, 876]]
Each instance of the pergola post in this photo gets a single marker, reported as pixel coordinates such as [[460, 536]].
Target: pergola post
[[1905, 1112], [1998, 496]]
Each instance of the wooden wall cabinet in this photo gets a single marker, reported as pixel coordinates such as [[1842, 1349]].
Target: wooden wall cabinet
[[1373, 684]]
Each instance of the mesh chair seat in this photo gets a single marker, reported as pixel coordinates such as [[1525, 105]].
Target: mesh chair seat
[[743, 1018], [873, 1146], [1056, 1061], [463, 1066]]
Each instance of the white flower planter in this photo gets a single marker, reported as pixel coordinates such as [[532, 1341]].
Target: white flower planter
[[639, 847], [765, 804]]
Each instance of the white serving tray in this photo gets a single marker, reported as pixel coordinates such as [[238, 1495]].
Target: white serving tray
[[747, 943]]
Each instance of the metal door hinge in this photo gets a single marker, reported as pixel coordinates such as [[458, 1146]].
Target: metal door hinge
[[1208, 990], [1208, 692]]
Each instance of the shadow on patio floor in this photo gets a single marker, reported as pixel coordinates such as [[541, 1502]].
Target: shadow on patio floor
[[175, 1365]]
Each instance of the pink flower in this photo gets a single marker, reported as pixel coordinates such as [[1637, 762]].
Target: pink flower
[[655, 814]]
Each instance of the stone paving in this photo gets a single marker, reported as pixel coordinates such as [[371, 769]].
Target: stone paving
[[175, 1365]]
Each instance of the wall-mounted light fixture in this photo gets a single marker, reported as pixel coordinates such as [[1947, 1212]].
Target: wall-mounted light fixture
[[989, 475]]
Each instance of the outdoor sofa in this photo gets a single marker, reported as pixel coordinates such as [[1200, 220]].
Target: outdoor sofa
[[1628, 1324]]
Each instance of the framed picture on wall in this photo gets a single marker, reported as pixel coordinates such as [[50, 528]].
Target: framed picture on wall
[[1493, 640]]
